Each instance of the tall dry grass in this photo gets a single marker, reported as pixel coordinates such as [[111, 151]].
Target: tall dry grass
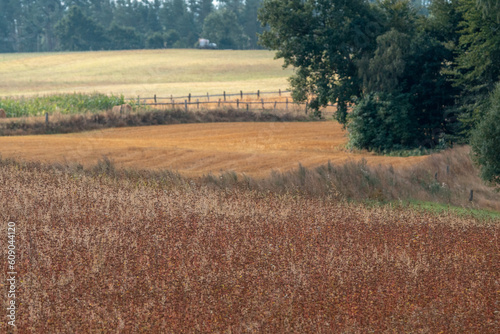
[[101, 251], [446, 177], [95, 121]]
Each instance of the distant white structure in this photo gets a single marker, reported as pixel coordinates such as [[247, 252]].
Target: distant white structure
[[205, 44]]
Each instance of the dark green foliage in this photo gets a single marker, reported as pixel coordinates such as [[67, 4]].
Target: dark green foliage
[[383, 122], [44, 25], [171, 37], [221, 27], [155, 41], [323, 40], [485, 140], [123, 38], [78, 32], [478, 61]]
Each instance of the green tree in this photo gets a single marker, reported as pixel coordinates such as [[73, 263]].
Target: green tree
[[221, 27], [323, 40], [8, 13], [407, 91], [77, 32], [155, 41], [478, 62], [485, 140], [123, 38]]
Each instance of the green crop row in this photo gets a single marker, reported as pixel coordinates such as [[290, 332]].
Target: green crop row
[[60, 103]]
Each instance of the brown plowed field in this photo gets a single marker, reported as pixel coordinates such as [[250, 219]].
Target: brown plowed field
[[196, 149]]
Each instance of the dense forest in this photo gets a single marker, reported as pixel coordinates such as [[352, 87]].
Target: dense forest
[[75, 25]]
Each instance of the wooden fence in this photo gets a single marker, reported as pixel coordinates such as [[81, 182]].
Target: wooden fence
[[253, 101]]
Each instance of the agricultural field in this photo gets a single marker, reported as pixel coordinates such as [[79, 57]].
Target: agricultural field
[[230, 227], [105, 253], [248, 148], [141, 72]]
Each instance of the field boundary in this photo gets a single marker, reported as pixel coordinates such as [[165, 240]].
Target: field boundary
[[224, 100]]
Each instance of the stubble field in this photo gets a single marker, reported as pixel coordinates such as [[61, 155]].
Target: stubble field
[[142, 72], [254, 149]]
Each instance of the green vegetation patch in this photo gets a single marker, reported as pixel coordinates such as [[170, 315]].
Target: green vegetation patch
[[439, 208], [60, 103]]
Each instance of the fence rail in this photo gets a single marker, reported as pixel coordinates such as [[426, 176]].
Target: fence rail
[[224, 95]]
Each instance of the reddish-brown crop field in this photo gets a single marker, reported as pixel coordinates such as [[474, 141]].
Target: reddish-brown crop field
[[104, 255]]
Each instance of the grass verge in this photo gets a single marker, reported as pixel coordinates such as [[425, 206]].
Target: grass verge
[[97, 121]]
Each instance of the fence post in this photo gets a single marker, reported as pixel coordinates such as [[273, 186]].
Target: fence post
[[258, 93], [197, 104], [237, 103], [436, 176], [138, 100], [186, 105], [280, 91], [262, 101], [286, 104], [173, 104], [155, 98], [247, 106], [306, 107], [189, 97], [46, 118], [274, 105], [224, 96], [241, 94], [208, 97], [218, 104], [471, 197]]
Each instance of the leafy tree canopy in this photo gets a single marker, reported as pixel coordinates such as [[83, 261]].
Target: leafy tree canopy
[[78, 32], [485, 140], [322, 40]]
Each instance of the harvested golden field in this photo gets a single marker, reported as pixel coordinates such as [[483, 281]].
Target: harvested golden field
[[142, 72], [195, 149], [114, 255]]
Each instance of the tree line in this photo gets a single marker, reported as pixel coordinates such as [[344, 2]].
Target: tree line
[[415, 77], [80, 25]]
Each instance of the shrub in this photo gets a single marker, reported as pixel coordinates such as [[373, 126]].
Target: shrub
[[485, 140]]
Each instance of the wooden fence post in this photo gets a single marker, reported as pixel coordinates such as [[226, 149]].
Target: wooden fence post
[[471, 197], [186, 105], [197, 104], [224, 96], [258, 93], [208, 97], [286, 104], [237, 103], [280, 91], [262, 100], [173, 104], [241, 94], [247, 106], [218, 104], [274, 105], [306, 107], [46, 118], [155, 98], [189, 97]]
